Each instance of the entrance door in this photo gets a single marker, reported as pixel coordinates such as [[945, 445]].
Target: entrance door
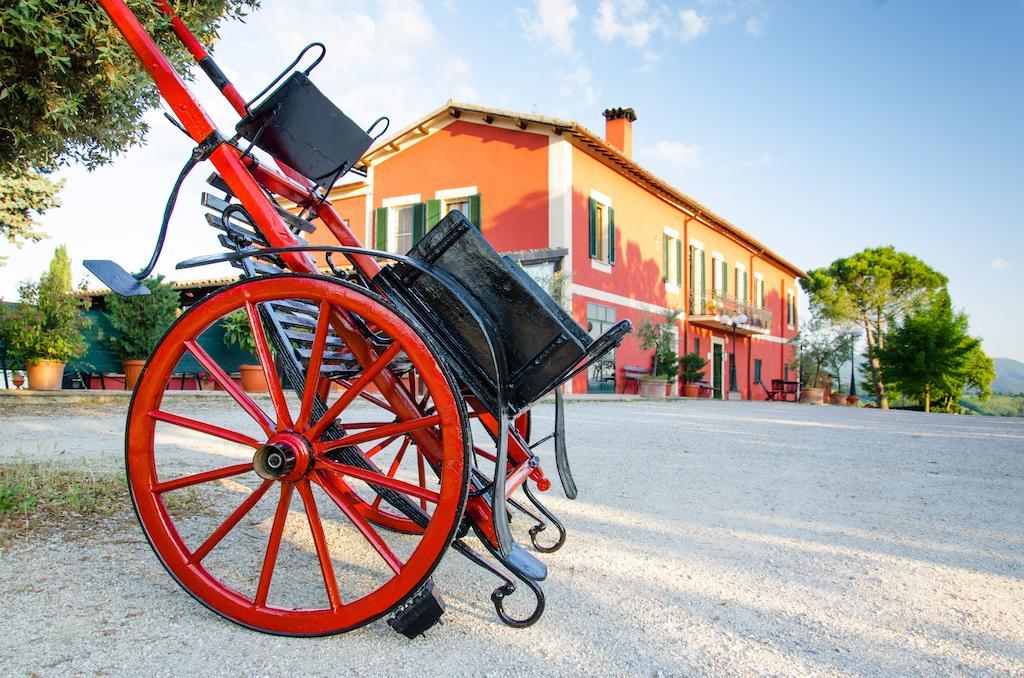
[[601, 375], [716, 369]]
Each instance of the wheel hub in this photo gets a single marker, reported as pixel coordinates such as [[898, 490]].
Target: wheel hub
[[285, 457]]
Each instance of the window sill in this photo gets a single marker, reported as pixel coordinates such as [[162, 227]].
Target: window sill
[[671, 288], [599, 265]]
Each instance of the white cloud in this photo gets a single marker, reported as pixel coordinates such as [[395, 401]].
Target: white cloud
[[675, 154], [691, 24], [626, 19], [576, 84], [1000, 265], [550, 24], [754, 26]]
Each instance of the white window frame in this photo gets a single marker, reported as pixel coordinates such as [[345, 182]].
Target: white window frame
[[599, 264], [393, 205], [758, 298], [717, 259], [790, 318], [450, 195], [737, 268], [698, 282], [671, 286]]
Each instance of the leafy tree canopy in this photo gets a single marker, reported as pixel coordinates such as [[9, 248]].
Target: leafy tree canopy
[[930, 356], [872, 288], [71, 89]]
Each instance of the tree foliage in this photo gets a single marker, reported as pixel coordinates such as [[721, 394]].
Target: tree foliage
[[871, 289], [71, 89], [930, 356], [23, 197], [48, 323], [142, 320], [660, 337], [823, 346]]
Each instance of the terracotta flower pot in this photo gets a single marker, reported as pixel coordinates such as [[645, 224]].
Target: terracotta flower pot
[[132, 370], [852, 400], [691, 390], [18, 380], [253, 379], [812, 395], [45, 375], [837, 399], [651, 387]]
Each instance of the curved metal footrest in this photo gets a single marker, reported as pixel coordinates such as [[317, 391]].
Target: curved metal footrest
[[507, 588]]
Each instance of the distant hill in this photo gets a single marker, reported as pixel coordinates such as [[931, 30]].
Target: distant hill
[[1009, 376]]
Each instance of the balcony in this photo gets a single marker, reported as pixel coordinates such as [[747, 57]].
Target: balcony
[[706, 310]]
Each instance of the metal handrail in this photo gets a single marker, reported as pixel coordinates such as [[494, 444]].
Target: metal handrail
[[712, 303]]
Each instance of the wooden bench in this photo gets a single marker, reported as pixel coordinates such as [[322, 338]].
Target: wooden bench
[[781, 390], [634, 374]]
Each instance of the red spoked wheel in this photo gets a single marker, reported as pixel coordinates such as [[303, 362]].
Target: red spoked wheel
[[215, 491]]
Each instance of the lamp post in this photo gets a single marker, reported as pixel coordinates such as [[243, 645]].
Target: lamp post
[[735, 320], [853, 376]]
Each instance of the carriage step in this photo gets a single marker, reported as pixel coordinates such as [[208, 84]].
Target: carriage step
[[419, 613]]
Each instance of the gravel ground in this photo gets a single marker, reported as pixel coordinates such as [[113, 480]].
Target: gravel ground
[[709, 538]]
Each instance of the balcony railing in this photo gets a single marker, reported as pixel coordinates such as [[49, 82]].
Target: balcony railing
[[712, 305]]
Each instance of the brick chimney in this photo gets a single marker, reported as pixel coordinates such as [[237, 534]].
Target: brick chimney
[[618, 129]]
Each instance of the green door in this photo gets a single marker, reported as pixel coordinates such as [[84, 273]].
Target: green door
[[716, 369], [601, 375]]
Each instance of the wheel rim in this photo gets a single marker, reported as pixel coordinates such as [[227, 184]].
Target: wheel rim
[[290, 431]]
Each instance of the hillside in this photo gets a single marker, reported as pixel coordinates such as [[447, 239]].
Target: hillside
[[1009, 376]]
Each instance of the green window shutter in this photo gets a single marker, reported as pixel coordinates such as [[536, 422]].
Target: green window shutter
[[474, 211], [703, 279], [419, 220], [433, 213], [679, 261], [664, 252], [725, 277], [611, 235], [593, 229], [381, 219]]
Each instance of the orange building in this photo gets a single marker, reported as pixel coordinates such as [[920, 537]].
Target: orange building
[[557, 197]]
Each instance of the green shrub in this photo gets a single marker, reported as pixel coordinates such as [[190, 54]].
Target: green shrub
[[141, 320]]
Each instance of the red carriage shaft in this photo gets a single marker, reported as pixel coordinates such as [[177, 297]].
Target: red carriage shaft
[[245, 177]]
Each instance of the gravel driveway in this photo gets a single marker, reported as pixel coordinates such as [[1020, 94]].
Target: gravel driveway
[[709, 538]]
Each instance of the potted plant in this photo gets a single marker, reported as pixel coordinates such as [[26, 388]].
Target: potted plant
[[852, 400], [238, 334], [821, 345], [691, 366], [665, 365], [44, 331], [140, 322]]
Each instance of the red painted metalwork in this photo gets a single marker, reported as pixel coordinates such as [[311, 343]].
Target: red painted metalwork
[[261, 610]]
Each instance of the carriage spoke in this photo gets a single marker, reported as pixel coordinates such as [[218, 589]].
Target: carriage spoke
[[229, 523], [394, 467], [203, 427], [422, 475], [322, 552], [229, 385], [396, 428], [205, 477], [316, 359], [273, 545], [284, 419], [331, 486], [349, 395], [380, 480], [366, 396], [380, 446]]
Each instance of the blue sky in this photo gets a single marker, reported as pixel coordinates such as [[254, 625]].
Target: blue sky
[[820, 127]]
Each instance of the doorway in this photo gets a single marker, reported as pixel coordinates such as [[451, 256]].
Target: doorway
[[717, 368], [601, 375]]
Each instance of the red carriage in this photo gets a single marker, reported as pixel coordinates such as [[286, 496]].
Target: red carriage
[[377, 377]]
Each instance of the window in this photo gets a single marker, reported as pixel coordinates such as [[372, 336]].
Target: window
[[697, 279], [790, 309], [399, 224], [720, 274], [759, 290], [672, 250], [696, 345], [742, 283], [757, 371], [602, 229], [464, 200]]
